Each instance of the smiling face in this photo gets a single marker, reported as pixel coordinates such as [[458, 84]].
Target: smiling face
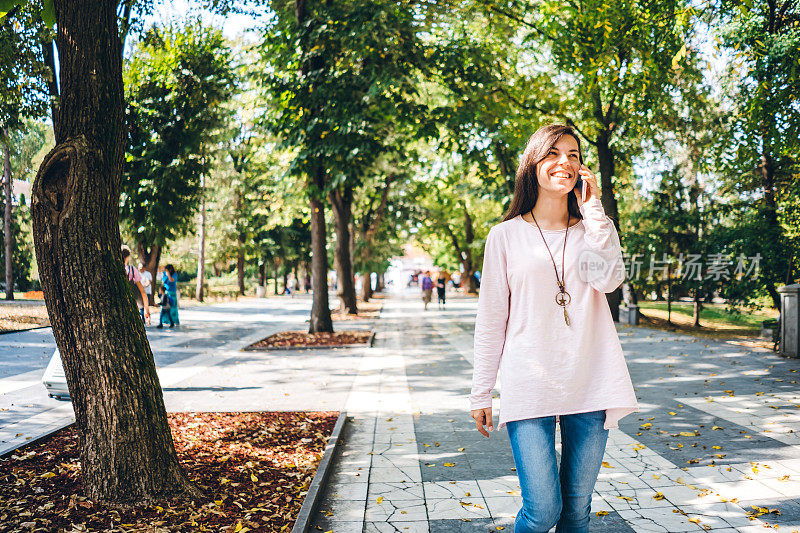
[[557, 173]]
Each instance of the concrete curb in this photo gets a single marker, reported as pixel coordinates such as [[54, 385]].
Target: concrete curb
[[16, 448], [315, 490]]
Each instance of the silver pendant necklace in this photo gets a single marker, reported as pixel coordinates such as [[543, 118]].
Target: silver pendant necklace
[[563, 298]]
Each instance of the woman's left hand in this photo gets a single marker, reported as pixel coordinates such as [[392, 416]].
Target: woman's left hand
[[590, 183]]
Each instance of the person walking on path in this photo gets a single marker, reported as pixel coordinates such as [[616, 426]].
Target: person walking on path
[[166, 305], [550, 333], [147, 281], [135, 282], [427, 289], [170, 282], [441, 286]]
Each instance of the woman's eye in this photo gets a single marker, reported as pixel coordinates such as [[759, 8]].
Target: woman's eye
[[573, 155]]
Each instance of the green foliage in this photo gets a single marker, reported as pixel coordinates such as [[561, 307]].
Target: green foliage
[[177, 84], [22, 73], [342, 86], [22, 248]]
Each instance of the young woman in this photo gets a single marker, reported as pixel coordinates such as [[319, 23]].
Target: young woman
[[170, 282], [544, 322]]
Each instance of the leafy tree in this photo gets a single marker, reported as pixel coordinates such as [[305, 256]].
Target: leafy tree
[[341, 99], [762, 155], [22, 94], [622, 65], [127, 453], [177, 80]]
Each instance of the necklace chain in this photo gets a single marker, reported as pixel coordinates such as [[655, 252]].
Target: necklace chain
[[563, 298]]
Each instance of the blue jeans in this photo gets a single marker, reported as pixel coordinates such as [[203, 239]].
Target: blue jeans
[[551, 497]]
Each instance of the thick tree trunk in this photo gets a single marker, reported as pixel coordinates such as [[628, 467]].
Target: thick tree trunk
[[366, 286], [321, 320], [9, 239], [127, 452], [240, 263], [697, 307], [342, 203], [262, 274], [380, 284], [201, 243], [605, 157], [150, 259]]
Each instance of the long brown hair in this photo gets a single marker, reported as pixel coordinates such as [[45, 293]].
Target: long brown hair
[[526, 185]]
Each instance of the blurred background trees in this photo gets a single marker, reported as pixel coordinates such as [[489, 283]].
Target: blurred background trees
[[354, 128]]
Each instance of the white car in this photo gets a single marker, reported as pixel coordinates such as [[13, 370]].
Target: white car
[[54, 379]]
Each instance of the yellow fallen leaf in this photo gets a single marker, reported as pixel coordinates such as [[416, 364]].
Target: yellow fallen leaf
[[673, 413], [449, 464], [783, 478], [646, 425], [461, 449], [380, 499], [717, 447], [694, 520], [658, 496], [717, 427], [601, 513], [688, 433], [626, 498], [48, 475], [253, 478], [606, 465]]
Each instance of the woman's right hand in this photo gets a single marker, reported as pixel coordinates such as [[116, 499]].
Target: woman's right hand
[[483, 417]]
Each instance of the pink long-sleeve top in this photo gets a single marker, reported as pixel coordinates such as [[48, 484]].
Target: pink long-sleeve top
[[546, 367]]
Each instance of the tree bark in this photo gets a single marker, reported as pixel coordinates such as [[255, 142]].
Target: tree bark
[[697, 307], [150, 259], [9, 239], [321, 320], [262, 274], [127, 452], [605, 157], [201, 243], [342, 203], [240, 263]]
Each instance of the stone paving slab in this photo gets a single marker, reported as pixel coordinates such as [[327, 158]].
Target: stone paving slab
[[199, 366], [717, 433]]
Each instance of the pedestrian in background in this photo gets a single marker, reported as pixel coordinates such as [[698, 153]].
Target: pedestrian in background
[[170, 282], [166, 307], [135, 284], [147, 281], [441, 288], [427, 289]]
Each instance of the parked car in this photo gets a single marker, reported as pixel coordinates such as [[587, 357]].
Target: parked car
[[54, 379]]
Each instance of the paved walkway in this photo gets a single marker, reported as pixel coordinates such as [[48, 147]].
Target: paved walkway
[[200, 365], [716, 438], [718, 433]]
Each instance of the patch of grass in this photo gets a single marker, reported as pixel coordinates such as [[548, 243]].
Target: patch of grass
[[713, 314]]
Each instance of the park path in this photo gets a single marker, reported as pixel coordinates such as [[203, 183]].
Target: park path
[[200, 366], [718, 434], [412, 460]]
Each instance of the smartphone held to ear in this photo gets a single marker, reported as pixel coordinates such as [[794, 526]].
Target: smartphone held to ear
[[580, 186]]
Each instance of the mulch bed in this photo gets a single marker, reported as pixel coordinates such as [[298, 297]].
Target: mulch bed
[[301, 339], [254, 468], [18, 317]]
